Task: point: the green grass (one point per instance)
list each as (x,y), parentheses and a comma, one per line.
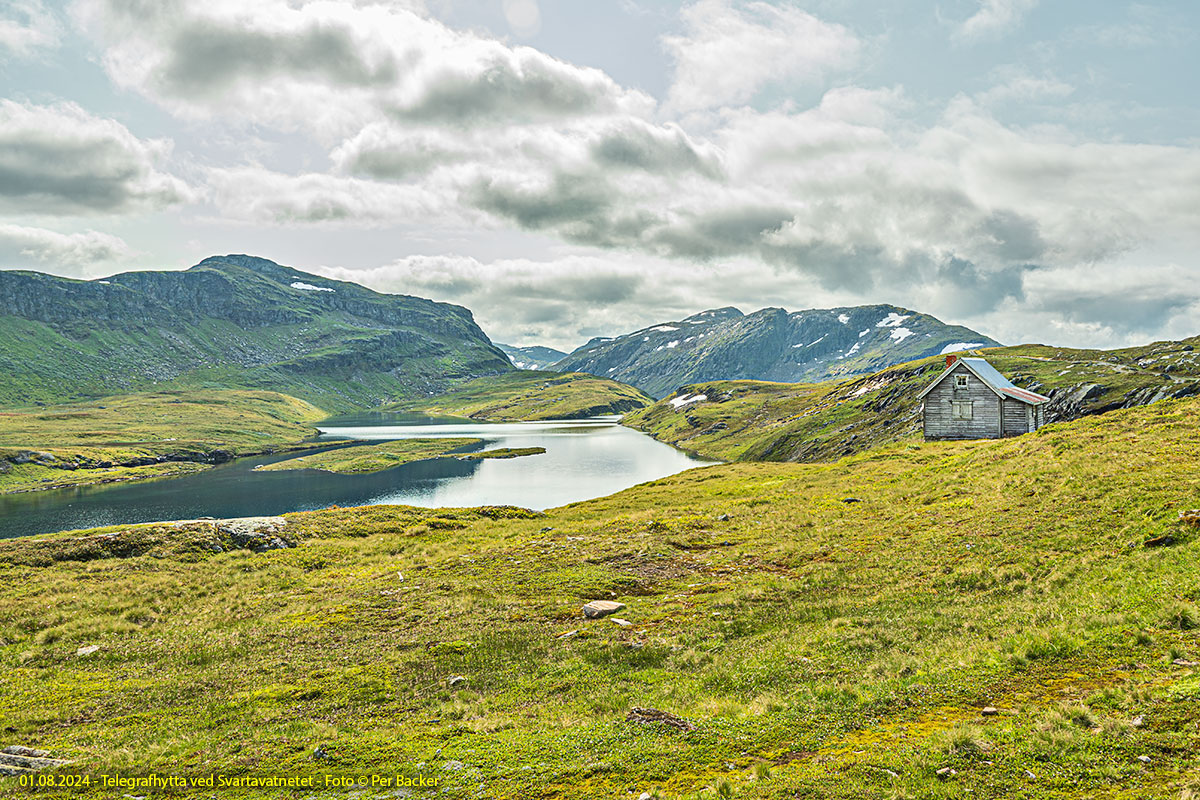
(763,421)
(129,437)
(360,459)
(504,452)
(821,647)
(531,395)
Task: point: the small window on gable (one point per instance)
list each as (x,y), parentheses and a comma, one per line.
(960,380)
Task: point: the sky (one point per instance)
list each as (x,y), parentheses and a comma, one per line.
(573,168)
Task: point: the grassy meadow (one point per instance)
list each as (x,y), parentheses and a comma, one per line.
(148,435)
(832,630)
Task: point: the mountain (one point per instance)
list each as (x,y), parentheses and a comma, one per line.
(770,344)
(231,321)
(757,421)
(531,357)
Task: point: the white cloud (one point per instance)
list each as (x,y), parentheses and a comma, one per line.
(60,159)
(256,194)
(28,28)
(332,67)
(731,50)
(71,253)
(994,17)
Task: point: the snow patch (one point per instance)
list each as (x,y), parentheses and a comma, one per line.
(687,399)
(900,334)
(810,344)
(104,283)
(673,344)
(864,333)
(664,328)
(843,318)
(892,320)
(308,287)
(957,346)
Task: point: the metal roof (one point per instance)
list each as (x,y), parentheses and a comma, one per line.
(991,378)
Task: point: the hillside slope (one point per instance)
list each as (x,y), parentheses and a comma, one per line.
(770,344)
(231,321)
(997,619)
(755,420)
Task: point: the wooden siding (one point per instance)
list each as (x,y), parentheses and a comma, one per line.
(985,409)
(1017,417)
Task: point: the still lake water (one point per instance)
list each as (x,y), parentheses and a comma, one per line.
(583,459)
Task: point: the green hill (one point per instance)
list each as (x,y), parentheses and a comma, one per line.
(760,421)
(231,322)
(993,619)
(770,344)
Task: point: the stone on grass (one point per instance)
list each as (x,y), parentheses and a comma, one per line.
(624,623)
(456,680)
(567,635)
(87,650)
(601,608)
(651,716)
(1144,759)
(990,711)
(946,772)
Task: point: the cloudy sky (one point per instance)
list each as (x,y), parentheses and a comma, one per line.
(572,168)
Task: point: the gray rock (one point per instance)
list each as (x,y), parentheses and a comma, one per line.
(1144,759)
(624,623)
(601,608)
(456,680)
(87,650)
(453,766)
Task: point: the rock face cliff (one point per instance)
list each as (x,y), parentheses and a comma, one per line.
(770,344)
(236,321)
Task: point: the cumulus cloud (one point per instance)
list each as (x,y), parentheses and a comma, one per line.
(28,28)
(333,67)
(71,253)
(731,50)
(565,301)
(993,17)
(257,194)
(61,159)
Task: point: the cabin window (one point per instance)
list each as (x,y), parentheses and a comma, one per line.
(961,409)
(960,380)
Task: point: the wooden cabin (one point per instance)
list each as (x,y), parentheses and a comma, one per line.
(972,400)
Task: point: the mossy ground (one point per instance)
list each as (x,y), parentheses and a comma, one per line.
(832,630)
(532,395)
(107,440)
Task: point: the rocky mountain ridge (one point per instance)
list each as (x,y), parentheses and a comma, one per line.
(770,344)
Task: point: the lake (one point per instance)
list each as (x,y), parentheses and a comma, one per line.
(583,459)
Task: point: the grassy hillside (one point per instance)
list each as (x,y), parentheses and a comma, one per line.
(145,435)
(756,420)
(833,630)
(531,395)
(231,322)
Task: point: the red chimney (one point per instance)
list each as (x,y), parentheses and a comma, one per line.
(950,359)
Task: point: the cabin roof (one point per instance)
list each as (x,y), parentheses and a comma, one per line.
(991,378)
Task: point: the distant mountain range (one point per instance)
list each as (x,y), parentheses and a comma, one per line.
(231,321)
(531,357)
(770,344)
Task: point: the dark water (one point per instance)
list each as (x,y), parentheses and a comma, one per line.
(583,459)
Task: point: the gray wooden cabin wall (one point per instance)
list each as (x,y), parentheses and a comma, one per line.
(985,421)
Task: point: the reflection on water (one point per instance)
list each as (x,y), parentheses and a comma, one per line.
(583,459)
